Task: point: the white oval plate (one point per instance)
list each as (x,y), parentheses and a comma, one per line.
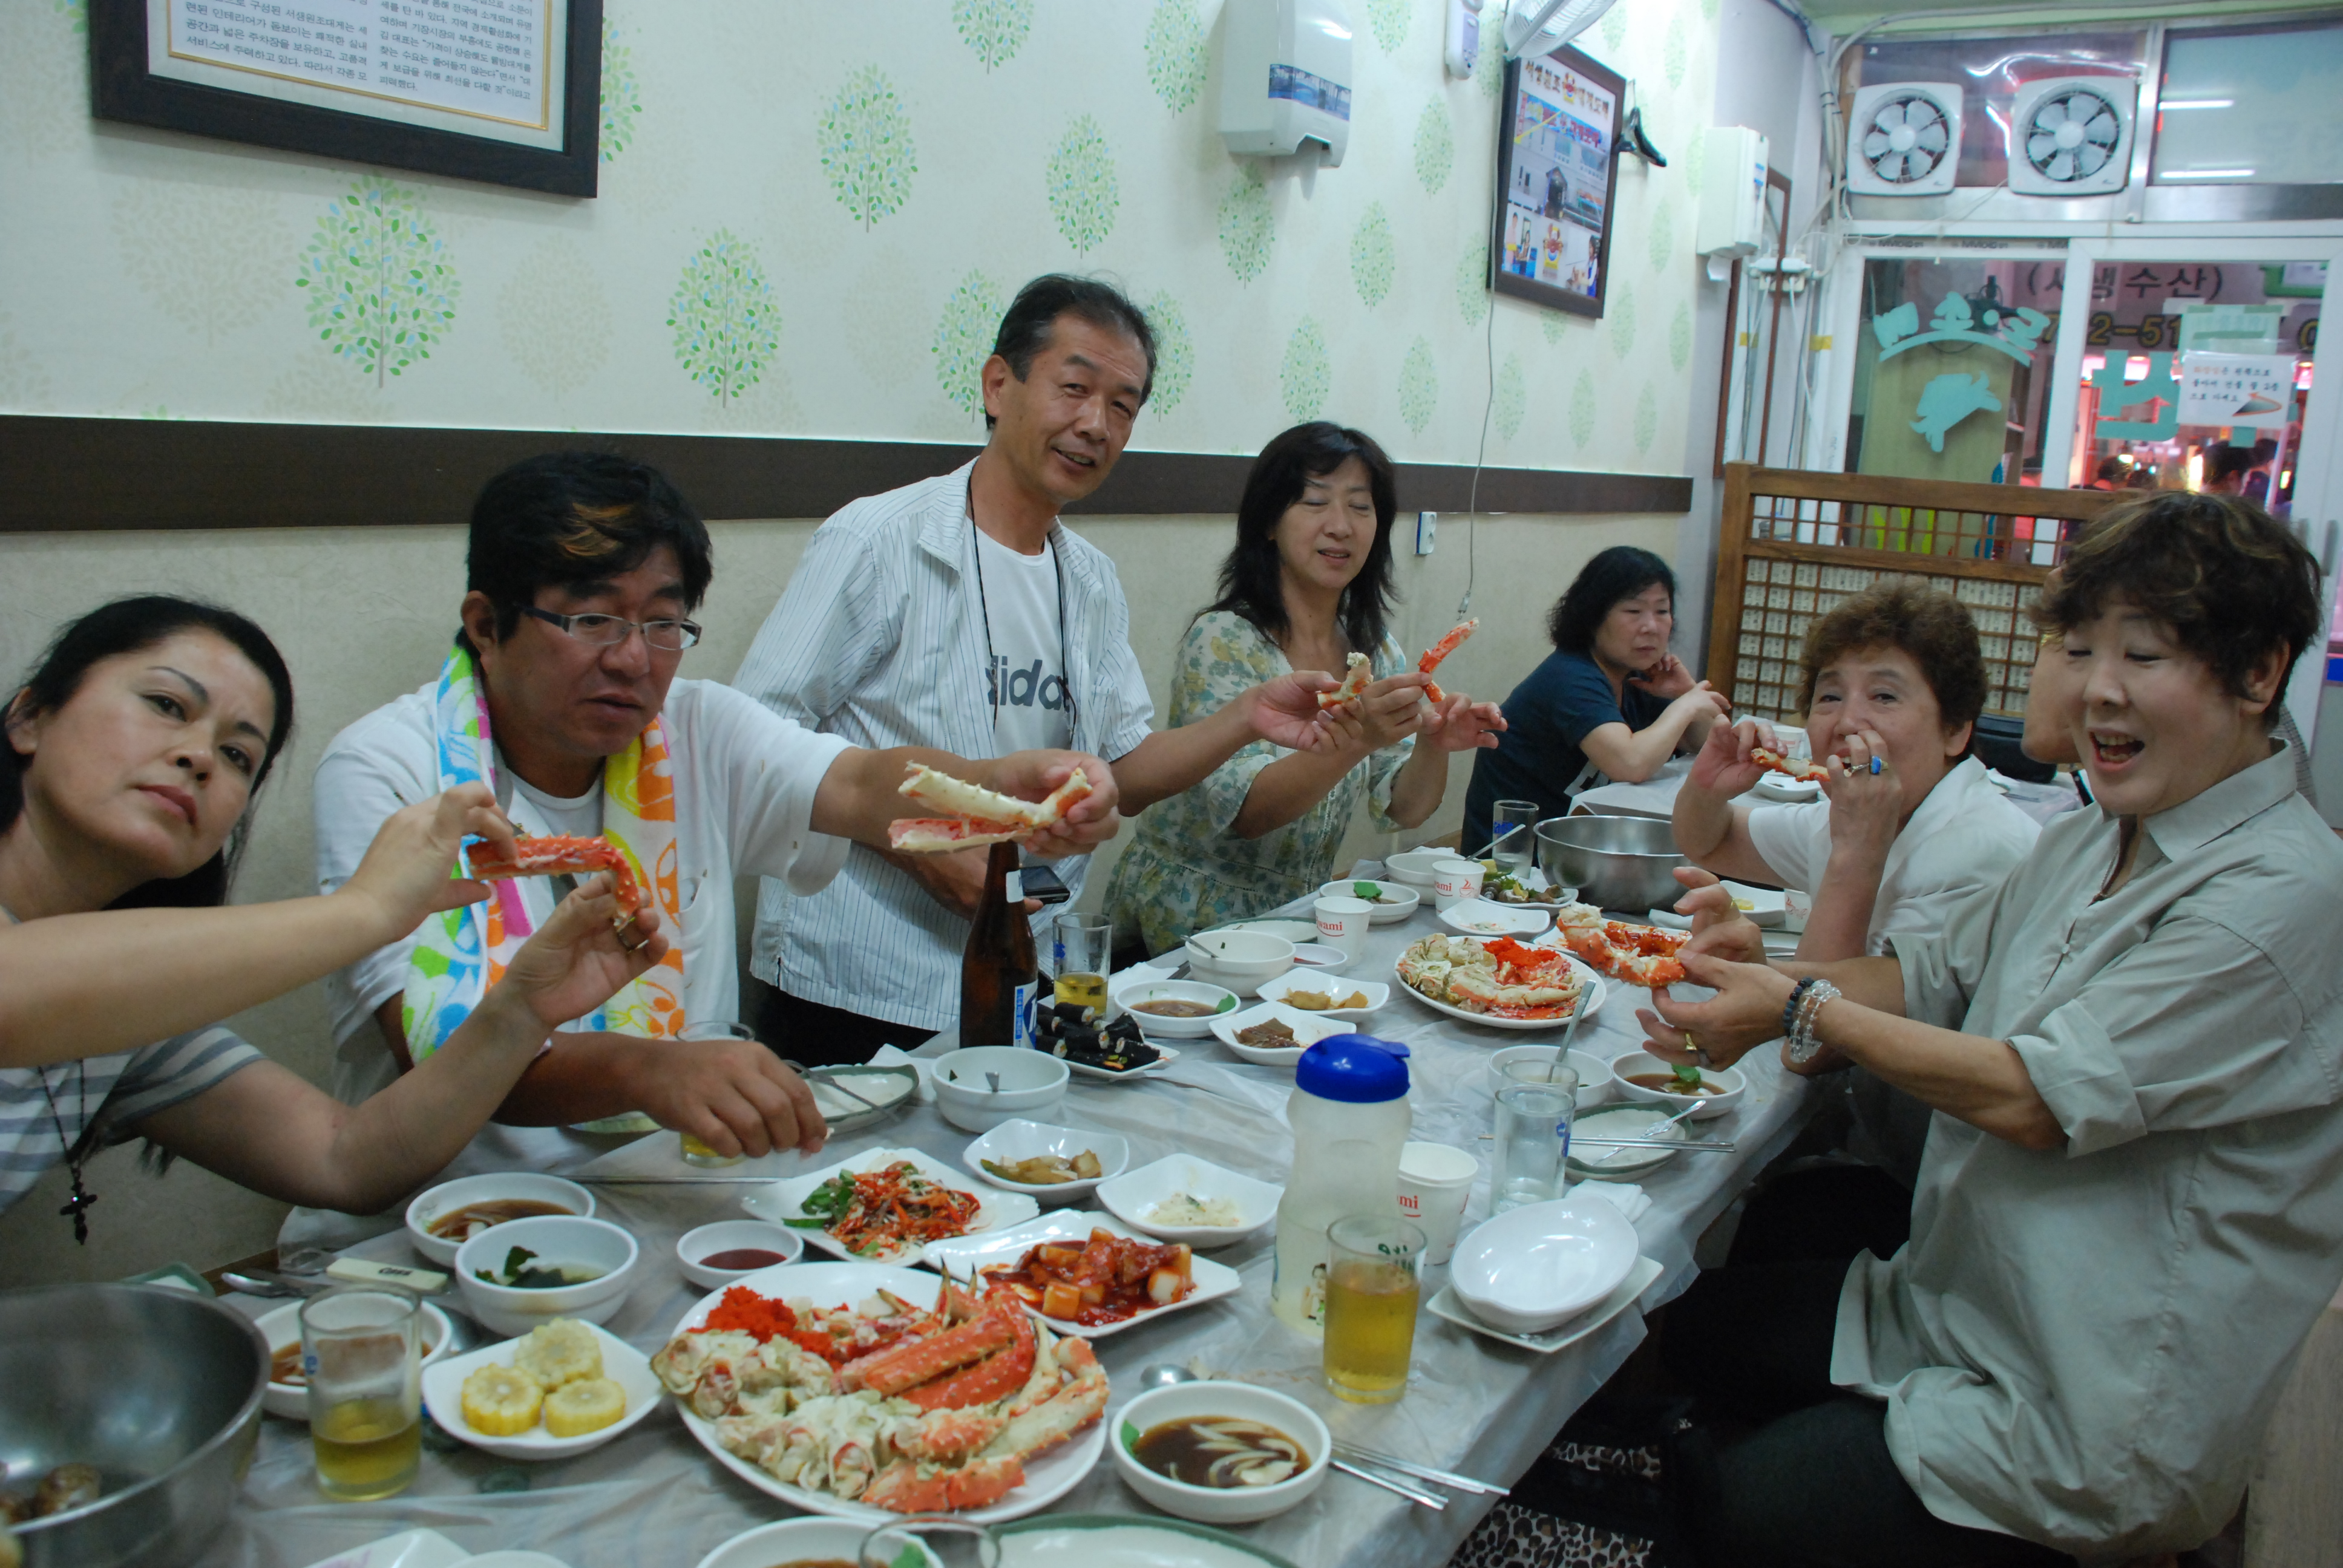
(1309,1028)
(1168,1054)
(1556,1257)
(1382,914)
(1109,1541)
(1047,1478)
(1131,1196)
(962,1256)
(784,1200)
(1483,918)
(1447,1305)
(442,1395)
(1018,1139)
(1590,1003)
(1377,993)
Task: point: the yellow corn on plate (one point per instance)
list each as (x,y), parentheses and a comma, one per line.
(560,1351)
(500,1401)
(590,1404)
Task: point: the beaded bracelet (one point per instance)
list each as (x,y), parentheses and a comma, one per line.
(1813,994)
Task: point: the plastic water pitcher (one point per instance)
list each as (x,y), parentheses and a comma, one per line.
(1349,1113)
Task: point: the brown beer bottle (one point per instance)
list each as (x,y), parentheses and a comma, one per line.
(998,975)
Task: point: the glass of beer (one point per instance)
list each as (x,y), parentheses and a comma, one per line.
(1080,952)
(1513,829)
(696,1151)
(358,1348)
(1370,1298)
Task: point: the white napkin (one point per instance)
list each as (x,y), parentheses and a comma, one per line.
(895,1056)
(1624,1196)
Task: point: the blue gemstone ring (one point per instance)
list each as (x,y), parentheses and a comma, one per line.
(1875,767)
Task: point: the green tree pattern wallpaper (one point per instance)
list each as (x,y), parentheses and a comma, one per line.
(728,327)
(1390,18)
(554,315)
(1619,318)
(1435,146)
(963,341)
(1584,404)
(1305,375)
(995,29)
(622,95)
(1647,419)
(1372,256)
(1511,399)
(1179,55)
(380,290)
(1248,227)
(1680,336)
(1419,386)
(865,139)
(1473,285)
(1082,192)
(1175,353)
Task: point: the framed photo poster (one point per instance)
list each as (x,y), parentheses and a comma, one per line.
(1557,171)
(504,91)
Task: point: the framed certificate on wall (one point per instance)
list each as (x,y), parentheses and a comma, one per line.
(503,91)
(1557,172)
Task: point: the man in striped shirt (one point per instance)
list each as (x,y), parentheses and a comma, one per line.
(959,612)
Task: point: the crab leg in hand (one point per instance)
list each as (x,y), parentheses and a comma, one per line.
(978,816)
(555,856)
(1354,681)
(1795,767)
(1442,649)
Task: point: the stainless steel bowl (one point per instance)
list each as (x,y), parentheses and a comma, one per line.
(159,1389)
(1616,862)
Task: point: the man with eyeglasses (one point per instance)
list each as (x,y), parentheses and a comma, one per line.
(562,693)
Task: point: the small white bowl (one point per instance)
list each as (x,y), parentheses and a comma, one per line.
(1625,1122)
(1032,1083)
(1021,1139)
(1486,918)
(1404,899)
(1240,960)
(1594,1085)
(725,1235)
(282,1327)
(1414,867)
(561,1240)
(1131,1196)
(443,1396)
(1728,1080)
(792,1541)
(1219,998)
(1532,1268)
(1244,1401)
(1291,930)
(434,1201)
(1309,1028)
(1339,987)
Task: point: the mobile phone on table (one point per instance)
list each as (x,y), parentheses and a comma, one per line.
(1042,884)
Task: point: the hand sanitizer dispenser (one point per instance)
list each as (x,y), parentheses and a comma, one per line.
(1285,77)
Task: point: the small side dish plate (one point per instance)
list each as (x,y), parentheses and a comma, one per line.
(1446,1304)
(442,1395)
(1132,1196)
(1309,1028)
(1485,918)
(784,1200)
(966,1255)
(1340,988)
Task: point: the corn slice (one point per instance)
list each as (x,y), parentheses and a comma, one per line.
(558,1352)
(586,1405)
(501,1402)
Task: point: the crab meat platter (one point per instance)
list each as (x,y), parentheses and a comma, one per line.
(1502,983)
(867,1390)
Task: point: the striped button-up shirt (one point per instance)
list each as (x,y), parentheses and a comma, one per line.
(879,639)
(45,1111)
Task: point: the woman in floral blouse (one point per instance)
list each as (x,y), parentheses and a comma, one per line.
(1309,583)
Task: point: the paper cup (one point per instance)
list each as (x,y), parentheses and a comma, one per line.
(1796,907)
(1434,1180)
(1342,924)
(1454,881)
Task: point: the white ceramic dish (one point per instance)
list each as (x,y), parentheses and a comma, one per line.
(1122,1541)
(1403,898)
(1590,1003)
(1532,1268)
(407,1549)
(792,1541)
(1240,960)
(724,1236)
(1018,1139)
(1166,1055)
(442,1395)
(1291,930)
(282,1327)
(889,1087)
(1764,907)
(1414,867)
(1628,1120)
(1318,955)
(1309,1028)
(1047,1477)
(784,1200)
(1242,1401)
(1483,918)
(1342,988)
(1132,1196)
(1032,1083)
(1593,1072)
(1773,786)
(964,1255)
(434,1201)
(564,1240)
(1128,995)
(1446,1304)
(1711,1106)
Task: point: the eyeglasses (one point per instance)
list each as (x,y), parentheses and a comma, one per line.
(603,630)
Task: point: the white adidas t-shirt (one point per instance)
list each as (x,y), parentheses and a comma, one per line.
(1027,683)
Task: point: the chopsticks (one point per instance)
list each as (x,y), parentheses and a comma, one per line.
(1390,1483)
(1447,1478)
(1691,1146)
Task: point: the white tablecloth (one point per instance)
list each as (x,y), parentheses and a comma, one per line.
(654,1496)
(1656,796)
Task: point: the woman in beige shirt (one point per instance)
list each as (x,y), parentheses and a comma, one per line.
(2130,1211)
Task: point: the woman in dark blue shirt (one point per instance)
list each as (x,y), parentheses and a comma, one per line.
(1610,703)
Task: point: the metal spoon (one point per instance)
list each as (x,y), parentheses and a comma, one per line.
(992,1081)
(1163,1374)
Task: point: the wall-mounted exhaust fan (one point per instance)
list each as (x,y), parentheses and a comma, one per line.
(1904,139)
(2071,135)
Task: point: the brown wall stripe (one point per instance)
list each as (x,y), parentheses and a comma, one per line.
(65,474)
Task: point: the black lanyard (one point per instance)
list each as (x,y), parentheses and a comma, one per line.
(992,670)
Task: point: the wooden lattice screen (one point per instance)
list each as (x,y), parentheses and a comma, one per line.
(1792,544)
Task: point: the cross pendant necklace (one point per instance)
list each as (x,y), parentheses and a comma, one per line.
(77,1206)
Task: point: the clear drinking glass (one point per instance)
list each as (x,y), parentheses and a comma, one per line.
(1371,1299)
(1081,950)
(1532,1141)
(696,1153)
(1512,833)
(358,1350)
(930,1541)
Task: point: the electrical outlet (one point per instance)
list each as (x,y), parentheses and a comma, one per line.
(1427,529)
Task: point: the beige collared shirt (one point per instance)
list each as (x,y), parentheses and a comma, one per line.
(2082,1346)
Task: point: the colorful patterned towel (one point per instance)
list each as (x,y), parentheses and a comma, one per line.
(459,953)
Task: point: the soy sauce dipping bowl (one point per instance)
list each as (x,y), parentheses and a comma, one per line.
(1237,1401)
(693,1248)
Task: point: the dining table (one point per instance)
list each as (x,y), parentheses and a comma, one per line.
(1472,1405)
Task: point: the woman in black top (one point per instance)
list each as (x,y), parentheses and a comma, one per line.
(1611,702)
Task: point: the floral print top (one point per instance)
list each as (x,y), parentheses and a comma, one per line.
(1184,870)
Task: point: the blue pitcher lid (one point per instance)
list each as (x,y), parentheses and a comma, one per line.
(1355,1068)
